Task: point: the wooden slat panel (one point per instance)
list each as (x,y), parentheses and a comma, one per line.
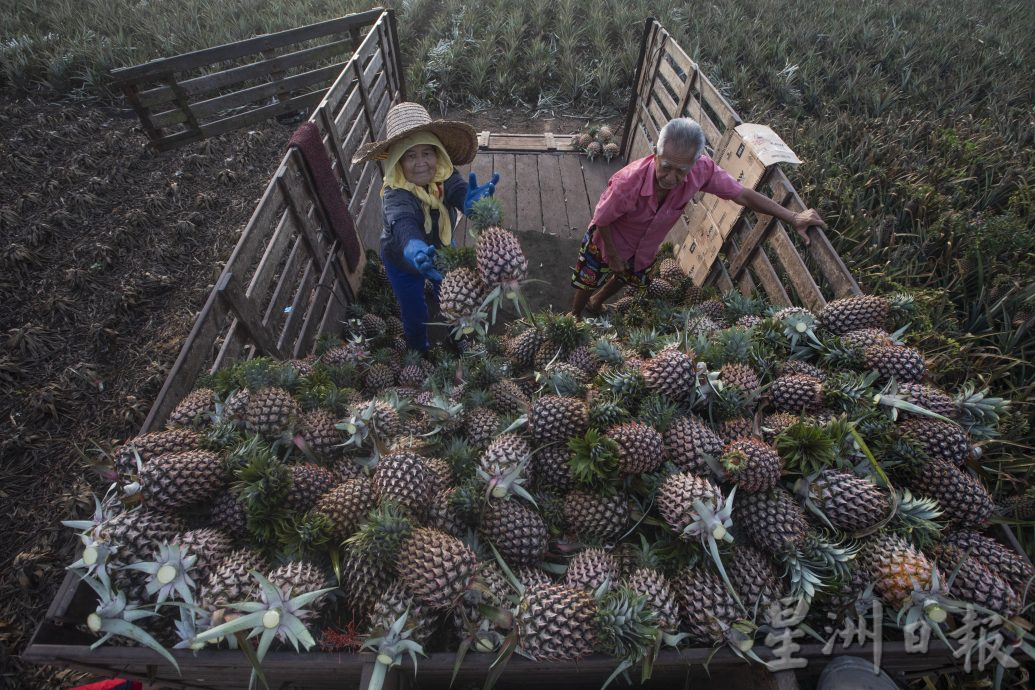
(275,314)
(551,189)
(711,131)
(214,106)
(750,243)
(369,222)
(229,351)
(678,84)
(347,118)
(529,142)
(230,51)
(299,302)
(809,294)
(233,122)
(766,275)
(575,196)
(247,315)
(529,204)
(315,311)
(342,88)
(650,27)
(259,285)
(236,75)
(506,190)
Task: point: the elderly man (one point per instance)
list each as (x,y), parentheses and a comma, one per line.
(642,202)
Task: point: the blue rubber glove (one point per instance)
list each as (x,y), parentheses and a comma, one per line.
(421,256)
(474,192)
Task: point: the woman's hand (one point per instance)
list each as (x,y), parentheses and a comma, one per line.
(476,192)
(421,256)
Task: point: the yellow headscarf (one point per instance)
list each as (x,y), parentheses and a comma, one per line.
(395,179)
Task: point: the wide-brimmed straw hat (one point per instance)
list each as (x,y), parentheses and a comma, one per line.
(403,119)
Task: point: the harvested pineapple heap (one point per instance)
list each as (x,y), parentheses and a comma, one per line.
(666,474)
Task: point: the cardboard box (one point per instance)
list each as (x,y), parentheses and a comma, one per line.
(746,153)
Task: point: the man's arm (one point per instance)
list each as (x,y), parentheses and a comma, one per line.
(614,259)
(801,222)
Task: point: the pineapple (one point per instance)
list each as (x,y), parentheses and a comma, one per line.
(678,499)
(755,577)
(896,361)
(937,438)
(653,585)
(670,270)
(866,337)
(853,313)
(517,531)
(210,545)
(751,464)
(773,520)
(709,610)
(929,398)
(975,582)
(300,577)
(480,426)
(552,470)
(688,441)
(308,483)
(363,580)
(659,288)
(194,411)
(640,447)
(798,366)
(321,437)
(508,398)
(848,502)
(590,569)
(733,428)
(271,413)
(435,567)
(671,373)
(444,515)
(896,568)
(230,582)
(228,514)
(461,294)
(346,505)
(505,455)
(775,424)
(150,445)
(379,377)
(796,393)
(999,559)
(176,480)
(596,517)
(964,498)
(556,419)
(392,602)
(586,360)
(555,623)
(521,349)
(500,258)
(403,478)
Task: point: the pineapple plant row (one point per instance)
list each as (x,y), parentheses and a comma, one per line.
(666,474)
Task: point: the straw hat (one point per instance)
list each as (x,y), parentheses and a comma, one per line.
(403,119)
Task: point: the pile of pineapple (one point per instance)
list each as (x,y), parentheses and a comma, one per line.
(596,141)
(675,472)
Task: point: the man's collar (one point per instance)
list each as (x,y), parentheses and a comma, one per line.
(647,187)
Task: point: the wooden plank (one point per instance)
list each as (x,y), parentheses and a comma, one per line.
(751,242)
(597,174)
(668,102)
(130,91)
(259,284)
(315,311)
(798,273)
(395,52)
(770,281)
(333,144)
(575,196)
(649,27)
(230,350)
(370,220)
(667,74)
(529,203)
(254,70)
(230,51)
(247,315)
(551,191)
(277,308)
(342,88)
(280,88)
(233,122)
(506,190)
(299,303)
(290,185)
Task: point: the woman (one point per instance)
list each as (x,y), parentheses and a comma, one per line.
(421,194)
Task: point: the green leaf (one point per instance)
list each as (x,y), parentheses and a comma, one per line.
(125,629)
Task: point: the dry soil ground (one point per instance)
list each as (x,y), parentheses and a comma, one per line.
(107,251)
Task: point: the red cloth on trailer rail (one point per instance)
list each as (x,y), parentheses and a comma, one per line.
(113,684)
(309,143)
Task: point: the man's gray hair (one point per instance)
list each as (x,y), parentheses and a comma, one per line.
(682,134)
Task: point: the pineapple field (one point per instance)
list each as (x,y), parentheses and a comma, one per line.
(654,478)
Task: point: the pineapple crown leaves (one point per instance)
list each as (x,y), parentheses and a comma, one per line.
(817,564)
(390,647)
(848,391)
(484,213)
(739,304)
(96,552)
(608,351)
(565,331)
(261,372)
(595,459)
(894,401)
(730,345)
(274,617)
(509,483)
(806,448)
(114,615)
(443,413)
(451,258)
(302,535)
(561,380)
(658,411)
(606,412)
(979,412)
(262,479)
(382,534)
(626,626)
(461,456)
(798,326)
(917,519)
(169,573)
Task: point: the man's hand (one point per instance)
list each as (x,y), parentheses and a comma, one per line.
(476,192)
(806,219)
(421,256)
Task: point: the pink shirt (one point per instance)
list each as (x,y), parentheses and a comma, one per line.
(629,206)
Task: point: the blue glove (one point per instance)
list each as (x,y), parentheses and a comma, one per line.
(474,192)
(421,256)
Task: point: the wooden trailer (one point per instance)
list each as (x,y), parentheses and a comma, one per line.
(288,280)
